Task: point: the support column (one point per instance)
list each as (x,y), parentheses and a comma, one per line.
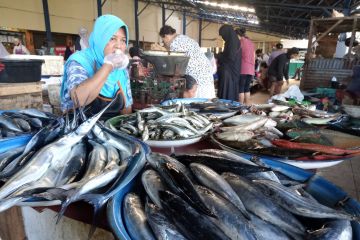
(200,30)
(163,14)
(99,8)
(184,23)
(47,22)
(136,3)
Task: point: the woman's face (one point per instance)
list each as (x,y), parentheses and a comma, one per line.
(167,39)
(117,41)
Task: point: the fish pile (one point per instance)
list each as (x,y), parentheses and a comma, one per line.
(214,194)
(159,124)
(24,121)
(286,112)
(68,164)
(246,126)
(260,135)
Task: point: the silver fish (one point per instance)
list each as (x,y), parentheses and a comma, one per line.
(151,181)
(155,109)
(242,119)
(23,124)
(135,218)
(33,113)
(267,231)
(295,203)
(215,182)
(8,156)
(263,207)
(160,224)
(239,136)
(50,156)
(228,218)
(145,134)
(8,124)
(226,154)
(124,148)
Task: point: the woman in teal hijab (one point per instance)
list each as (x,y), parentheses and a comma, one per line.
(95,76)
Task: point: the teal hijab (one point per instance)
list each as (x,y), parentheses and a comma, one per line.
(92,58)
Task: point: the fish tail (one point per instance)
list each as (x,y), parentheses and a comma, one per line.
(71,197)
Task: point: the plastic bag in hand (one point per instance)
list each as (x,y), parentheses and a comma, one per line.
(118,60)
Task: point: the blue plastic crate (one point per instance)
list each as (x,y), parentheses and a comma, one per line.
(324,191)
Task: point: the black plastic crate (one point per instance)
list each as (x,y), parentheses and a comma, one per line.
(20,70)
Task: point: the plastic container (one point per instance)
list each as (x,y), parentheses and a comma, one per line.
(20,70)
(324,191)
(10,143)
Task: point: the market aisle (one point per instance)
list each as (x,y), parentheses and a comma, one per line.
(345,175)
(262,96)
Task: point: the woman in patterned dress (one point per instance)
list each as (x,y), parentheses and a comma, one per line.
(199,66)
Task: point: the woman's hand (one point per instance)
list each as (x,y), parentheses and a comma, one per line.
(157,47)
(117,60)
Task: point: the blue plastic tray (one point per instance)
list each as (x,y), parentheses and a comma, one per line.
(324,191)
(9,143)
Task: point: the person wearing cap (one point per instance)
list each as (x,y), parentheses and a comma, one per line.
(97,75)
(278,50)
(247,70)
(279,68)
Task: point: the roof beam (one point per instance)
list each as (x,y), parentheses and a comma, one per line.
(265,3)
(281,17)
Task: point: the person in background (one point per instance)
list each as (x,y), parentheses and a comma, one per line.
(97,75)
(19,48)
(264,80)
(82,42)
(210,56)
(279,69)
(229,65)
(278,50)
(68,51)
(190,87)
(247,70)
(138,67)
(198,66)
(3,51)
(134,53)
(262,57)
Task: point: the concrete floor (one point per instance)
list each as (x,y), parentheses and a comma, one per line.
(345,175)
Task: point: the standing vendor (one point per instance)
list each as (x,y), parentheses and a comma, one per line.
(199,66)
(95,76)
